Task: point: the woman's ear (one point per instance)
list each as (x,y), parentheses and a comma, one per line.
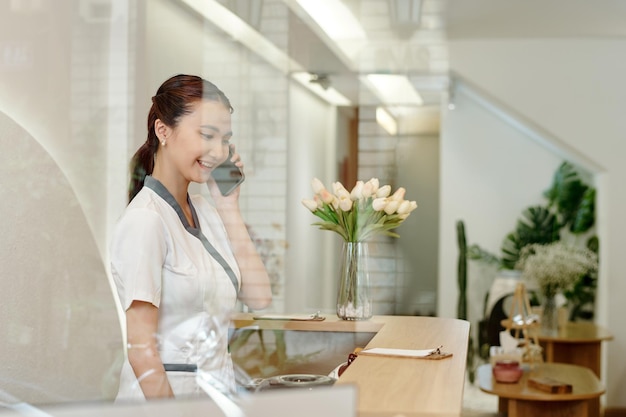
(161,129)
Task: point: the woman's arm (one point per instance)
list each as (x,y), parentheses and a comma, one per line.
(255,292)
(141,327)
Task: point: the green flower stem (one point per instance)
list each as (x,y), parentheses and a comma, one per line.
(353,301)
(358,224)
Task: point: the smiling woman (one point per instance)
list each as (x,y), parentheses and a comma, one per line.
(179,264)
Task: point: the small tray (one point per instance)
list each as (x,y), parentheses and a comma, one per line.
(550,385)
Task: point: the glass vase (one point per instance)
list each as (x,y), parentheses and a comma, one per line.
(549,316)
(353,297)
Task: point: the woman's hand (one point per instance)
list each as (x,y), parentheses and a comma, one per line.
(216,194)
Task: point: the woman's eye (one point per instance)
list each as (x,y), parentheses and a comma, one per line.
(206,135)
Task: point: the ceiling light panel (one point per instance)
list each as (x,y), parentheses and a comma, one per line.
(393,89)
(334,17)
(386,121)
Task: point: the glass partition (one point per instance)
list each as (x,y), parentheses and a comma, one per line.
(76,81)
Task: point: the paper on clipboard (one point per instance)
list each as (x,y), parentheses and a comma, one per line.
(435,353)
(297,317)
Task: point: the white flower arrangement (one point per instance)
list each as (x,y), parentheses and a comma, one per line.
(359,214)
(556,266)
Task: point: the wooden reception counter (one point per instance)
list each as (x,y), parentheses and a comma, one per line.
(394,386)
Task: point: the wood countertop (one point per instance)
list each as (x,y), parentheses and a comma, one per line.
(394,386)
(329,324)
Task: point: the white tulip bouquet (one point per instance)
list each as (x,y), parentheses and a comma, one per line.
(359,214)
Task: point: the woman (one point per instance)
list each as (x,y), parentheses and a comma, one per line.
(178,262)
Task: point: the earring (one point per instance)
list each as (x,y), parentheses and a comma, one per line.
(163,142)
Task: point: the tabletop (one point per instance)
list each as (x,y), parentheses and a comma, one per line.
(585,384)
(578,332)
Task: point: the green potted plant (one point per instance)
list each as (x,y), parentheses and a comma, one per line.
(569,213)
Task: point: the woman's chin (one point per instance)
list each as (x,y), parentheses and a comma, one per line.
(201,177)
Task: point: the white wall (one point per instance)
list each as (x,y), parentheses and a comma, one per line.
(574,90)
(417,158)
(312,127)
(490,173)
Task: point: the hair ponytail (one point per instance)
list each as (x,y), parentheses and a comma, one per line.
(141,165)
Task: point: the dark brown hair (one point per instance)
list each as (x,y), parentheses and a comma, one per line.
(173,99)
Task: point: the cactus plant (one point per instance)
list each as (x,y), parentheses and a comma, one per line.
(462,300)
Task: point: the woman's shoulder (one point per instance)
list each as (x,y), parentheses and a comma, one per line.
(145,198)
(145,205)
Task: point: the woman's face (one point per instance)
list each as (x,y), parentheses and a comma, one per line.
(200,142)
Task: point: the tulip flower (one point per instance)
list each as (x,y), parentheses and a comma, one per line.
(342,193)
(326,196)
(338,189)
(370,188)
(384,191)
(375,184)
(357,191)
(392,206)
(310,204)
(404,207)
(345,203)
(318,186)
(399,194)
(379,204)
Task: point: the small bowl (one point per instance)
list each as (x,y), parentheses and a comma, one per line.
(507,371)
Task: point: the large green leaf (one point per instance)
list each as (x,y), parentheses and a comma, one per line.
(537,225)
(477,253)
(566,192)
(585,216)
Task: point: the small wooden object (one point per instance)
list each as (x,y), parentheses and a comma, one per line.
(521,308)
(550,385)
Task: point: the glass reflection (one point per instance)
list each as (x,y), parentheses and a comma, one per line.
(76,81)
